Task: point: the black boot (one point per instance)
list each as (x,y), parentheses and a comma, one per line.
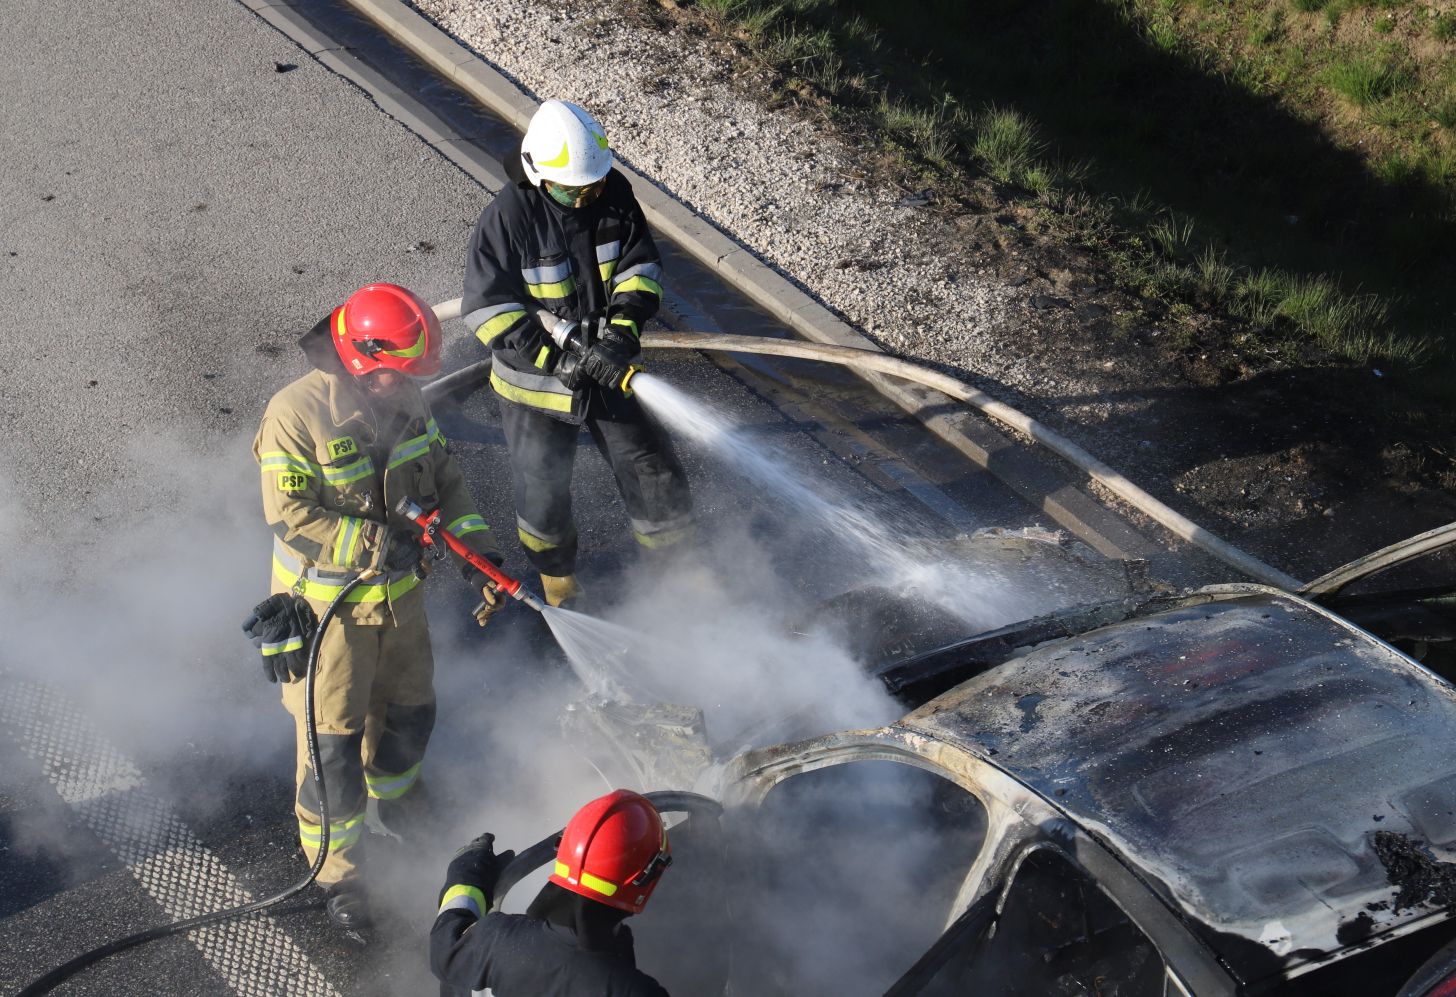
(348,908)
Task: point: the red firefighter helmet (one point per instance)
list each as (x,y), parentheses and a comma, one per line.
(613,851)
(385,326)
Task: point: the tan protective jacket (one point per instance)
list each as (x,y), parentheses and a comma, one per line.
(331,480)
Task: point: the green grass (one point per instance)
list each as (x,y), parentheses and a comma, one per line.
(1187,151)
(1364,80)
(1006,144)
(1172,235)
(1443,26)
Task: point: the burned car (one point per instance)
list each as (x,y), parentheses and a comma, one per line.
(1233,790)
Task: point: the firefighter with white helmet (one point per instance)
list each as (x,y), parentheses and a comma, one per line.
(560,276)
(337,449)
(572,941)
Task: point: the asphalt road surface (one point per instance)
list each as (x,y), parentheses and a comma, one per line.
(182,193)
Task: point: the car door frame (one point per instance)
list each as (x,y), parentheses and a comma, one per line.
(1018,821)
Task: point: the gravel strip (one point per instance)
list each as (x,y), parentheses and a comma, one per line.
(785,188)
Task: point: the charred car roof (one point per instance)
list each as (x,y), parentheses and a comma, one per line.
(1259,762)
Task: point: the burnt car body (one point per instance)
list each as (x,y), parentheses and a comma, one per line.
(1230,791)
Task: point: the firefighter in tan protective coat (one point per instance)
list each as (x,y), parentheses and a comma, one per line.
(338,449)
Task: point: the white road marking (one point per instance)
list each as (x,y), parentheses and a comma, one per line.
(254,955)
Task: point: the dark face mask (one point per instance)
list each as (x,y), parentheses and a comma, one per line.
(569,196)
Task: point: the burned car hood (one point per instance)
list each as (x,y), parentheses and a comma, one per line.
(1269,769)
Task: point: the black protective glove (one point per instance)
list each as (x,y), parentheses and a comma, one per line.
(282,627)
(572,339)
(404,552)
(478,866)
(607,360)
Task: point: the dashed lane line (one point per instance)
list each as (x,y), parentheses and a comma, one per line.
(108,792)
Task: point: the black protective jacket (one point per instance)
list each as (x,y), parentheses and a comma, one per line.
(529,254)
(564,946)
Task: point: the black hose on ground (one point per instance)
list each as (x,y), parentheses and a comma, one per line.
(60,974)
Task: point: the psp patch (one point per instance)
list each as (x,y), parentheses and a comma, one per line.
(292,481)
(344,446)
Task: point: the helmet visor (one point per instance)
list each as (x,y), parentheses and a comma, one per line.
(571,196)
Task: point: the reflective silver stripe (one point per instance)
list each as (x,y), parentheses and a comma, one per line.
(361,468)
(652,271)
(547,275)
(391,787)
(410,449)
(342,833)
(277,460)
(555,539)
(282,646)
(649,526)
(480,316)
(462,897)
(348,540)
(323,585)
(664,539)
(546,383)
(467,524)
(608,251)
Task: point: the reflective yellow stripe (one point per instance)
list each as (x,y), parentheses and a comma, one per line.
(534,542)
(638,284)
(342,833)
(282,647)
(410,352)
(493,327)
(549,400)
(279,460)
(591,882)
(391,787)
(559,289)
(561,159)
(347,543)
(462,897)
(631,326)
(361,468)
(543,356)
(410,449)
(322,591)
(468,524)
(606,270)
(654,541)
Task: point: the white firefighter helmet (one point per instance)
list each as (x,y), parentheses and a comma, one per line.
(565,145)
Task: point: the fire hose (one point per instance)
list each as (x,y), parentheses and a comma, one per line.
(873,361)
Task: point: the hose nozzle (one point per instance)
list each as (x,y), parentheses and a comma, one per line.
(429,523)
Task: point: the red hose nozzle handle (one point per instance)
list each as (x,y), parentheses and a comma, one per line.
(432,531)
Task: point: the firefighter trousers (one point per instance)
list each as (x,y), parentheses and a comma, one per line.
(543,451)
(374,709)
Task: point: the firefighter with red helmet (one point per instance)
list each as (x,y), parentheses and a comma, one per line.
(561,275)
(571,941)
(338,448)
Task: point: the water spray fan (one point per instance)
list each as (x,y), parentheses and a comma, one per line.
(433,531)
